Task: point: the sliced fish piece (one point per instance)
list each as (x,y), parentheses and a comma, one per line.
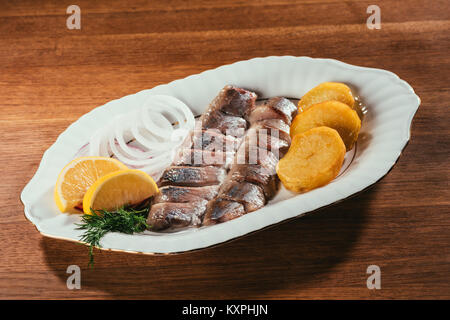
(214,140)
(233,101)
(263,139)
(275,127)
(180,184)
(249,153)
(274,108)
(221,210)
(200,158)
(256,174)
(192,176)
(168,214)
(229,111)
(226,124)
(185,194)
(249,194)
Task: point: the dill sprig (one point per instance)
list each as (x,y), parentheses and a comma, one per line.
(127,220)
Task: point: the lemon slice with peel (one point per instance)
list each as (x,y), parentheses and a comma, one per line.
(119,188)
(76,178)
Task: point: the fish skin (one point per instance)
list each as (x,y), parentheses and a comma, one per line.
(229,111)
(214,140)
(249,153)
(192,176)
(265,112)
(199,158)
(259,169)
(252,179)
(234,101)
(258,175)
(263,139)
(220,210)
(186,194)
(274,127)
(249,194)
(274,108)
(177,215)
(182,187)
(226,124)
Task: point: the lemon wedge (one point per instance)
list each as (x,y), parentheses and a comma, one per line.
(119,188)
(76,178)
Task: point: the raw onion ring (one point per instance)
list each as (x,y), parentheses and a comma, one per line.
(147,137)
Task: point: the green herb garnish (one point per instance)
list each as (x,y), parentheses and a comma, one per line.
(125,220)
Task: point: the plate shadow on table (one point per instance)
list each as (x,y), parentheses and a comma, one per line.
(297,254)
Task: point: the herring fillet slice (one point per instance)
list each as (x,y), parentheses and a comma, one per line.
(249,194)
(221,209)
(214,140)
(275,108)
(200,157)
(192,176)
(249,185)
(185,194)
(227,115)
(176,214)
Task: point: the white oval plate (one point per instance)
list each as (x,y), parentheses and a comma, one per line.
(391,104)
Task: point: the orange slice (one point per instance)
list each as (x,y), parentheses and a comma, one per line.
(119,188)
(76,178)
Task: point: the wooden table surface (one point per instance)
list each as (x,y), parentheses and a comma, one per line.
(50,76)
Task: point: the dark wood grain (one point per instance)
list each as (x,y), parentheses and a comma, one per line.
(50,76)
